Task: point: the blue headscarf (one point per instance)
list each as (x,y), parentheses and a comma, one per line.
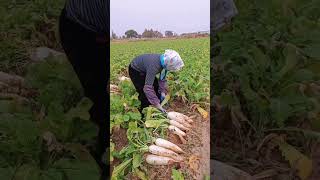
(164,71)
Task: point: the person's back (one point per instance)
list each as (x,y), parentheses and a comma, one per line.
(146,61)
(91,14)
(84,34)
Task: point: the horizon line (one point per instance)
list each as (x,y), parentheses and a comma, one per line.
(163,31)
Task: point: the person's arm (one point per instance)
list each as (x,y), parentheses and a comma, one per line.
(151,94)
(163,86)
(148,88)
(149,91)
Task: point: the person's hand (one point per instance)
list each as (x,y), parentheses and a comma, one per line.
(161,109)
(162,97)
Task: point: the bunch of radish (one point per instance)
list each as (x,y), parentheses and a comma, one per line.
(164,153)
(179,124)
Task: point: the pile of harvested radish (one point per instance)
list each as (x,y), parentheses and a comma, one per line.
(165,152)
(178,124)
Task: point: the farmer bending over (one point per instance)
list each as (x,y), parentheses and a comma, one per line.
(143,70)
(84,33)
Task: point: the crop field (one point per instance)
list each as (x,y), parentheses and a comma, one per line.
(45,132)
(189,94)
(266,90)
(191,84)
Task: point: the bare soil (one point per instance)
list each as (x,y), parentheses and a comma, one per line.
(119,137)
(240,151)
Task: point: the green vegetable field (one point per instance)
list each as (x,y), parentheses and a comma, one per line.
(189,94)
(266,83)
(45,132)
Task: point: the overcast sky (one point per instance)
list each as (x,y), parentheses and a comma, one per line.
(177,15)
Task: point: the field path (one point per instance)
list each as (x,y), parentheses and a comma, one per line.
(205,150)
(198,142)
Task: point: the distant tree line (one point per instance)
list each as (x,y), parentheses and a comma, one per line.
(147,33)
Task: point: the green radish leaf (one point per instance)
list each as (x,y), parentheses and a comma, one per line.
(119,169)
(83,130)
(6,106)
(77,170)
(140,174)
(301,75)
(133,125)
(127,151)
(112,146)
(6,173)
(137,160)
(296,159)
(314,67)
(166,99)
(260,58)
(280,111)
(27,171)
(130,150)
(149,112)
(177,175)
(124,150)
(315,123)
(313,51)
(53,174)
(118,119)
(81,110)
(13,106)
(126,118)
(291,58)
(80,152)
(154,123)
(134,116)
(246,89)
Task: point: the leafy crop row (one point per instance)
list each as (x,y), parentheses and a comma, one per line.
(45,137)
(191,84)
(266,68)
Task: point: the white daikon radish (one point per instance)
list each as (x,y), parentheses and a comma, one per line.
(169,145)
(159,160)
(189,120)
(179,120)
(182,139)
(157,150)
(175,123)
(176,130)
(176,115)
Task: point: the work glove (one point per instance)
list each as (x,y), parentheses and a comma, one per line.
(162,97)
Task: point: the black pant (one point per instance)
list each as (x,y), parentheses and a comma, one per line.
(138,80)
(90,60)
